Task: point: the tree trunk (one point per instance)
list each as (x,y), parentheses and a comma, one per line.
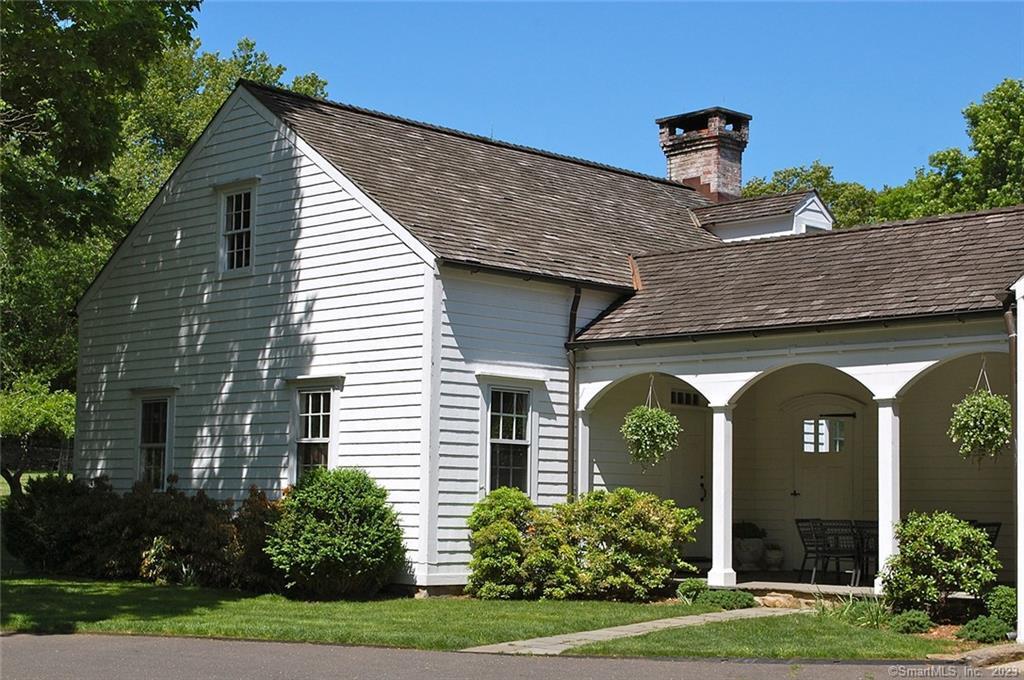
(13,479)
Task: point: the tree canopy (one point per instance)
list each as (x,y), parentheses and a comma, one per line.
(989,175)
(59,228)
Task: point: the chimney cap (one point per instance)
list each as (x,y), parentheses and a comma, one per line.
(703,113)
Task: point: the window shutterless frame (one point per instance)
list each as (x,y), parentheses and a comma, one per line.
(510,439)
(314,430)
(236,228)
(156,424)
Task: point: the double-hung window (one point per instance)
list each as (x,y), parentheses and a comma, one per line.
(314,440)
(153,442)
(509,439)
(237,231)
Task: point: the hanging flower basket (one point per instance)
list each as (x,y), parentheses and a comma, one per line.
(982,425)
(650,433)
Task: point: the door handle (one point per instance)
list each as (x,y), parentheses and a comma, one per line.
(794,493)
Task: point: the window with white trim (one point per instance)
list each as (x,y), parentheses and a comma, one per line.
(314,440)
(509,439)
(153,430)
(826,434)
(237,231)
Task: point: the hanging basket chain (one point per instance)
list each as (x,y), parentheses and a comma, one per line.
(652,394)
(983,374)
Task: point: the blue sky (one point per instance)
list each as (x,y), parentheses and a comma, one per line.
(869,88)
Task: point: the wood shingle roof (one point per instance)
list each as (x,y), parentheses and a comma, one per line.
(954,264)
(476,201)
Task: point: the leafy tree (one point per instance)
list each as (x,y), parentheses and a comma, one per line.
(59,229)
(989,176)
(66,65)
(851,203)
(30,409)
(184,91)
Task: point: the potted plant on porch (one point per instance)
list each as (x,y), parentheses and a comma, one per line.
(773,555)
(748,545)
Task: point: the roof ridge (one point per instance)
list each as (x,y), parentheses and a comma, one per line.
(469,135)
(750,199)
(836,233)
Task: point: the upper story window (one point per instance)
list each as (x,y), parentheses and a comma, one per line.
(509,439)
(827,434)
(236,246)
(153,430)
(314,440)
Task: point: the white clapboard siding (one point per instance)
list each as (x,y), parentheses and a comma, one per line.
(334,290)
(495,325)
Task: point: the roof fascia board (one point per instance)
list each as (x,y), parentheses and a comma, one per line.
(530,276)
(795,328)
(162,195)
(335,173)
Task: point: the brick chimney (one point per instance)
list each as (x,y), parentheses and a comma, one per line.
(705,150)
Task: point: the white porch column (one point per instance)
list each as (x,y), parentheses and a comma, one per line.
(888,481)
(721,573)
(1018,388)
(583,477)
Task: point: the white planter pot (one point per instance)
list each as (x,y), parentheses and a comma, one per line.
(748,552)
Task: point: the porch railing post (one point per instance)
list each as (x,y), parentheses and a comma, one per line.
(888,481)
(1018,388)
(722,573)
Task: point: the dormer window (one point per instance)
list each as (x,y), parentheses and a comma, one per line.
(236,231)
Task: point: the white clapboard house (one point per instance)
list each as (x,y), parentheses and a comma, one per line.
(319,284)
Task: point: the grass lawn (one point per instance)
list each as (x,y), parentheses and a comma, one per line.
(5,488)
(64,606)
(801,636)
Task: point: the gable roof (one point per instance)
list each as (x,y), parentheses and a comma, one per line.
(481,202)
(752,208)
(955,264)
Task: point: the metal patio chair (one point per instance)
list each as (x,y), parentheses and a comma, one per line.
(842,543)
(815,546)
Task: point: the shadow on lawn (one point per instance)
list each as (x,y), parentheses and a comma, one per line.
(53,607)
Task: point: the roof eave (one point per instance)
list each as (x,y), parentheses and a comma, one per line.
(960,316)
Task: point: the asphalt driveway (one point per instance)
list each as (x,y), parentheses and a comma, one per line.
(111,657)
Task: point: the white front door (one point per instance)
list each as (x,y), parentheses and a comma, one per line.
(689,467)
(823,479)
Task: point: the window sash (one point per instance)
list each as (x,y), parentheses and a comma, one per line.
(153,435)
(824,435)
(313,441)
(238,230)
(509,440)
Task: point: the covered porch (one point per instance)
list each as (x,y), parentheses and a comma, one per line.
(847,426)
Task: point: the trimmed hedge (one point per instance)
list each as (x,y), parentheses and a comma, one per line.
(726,599)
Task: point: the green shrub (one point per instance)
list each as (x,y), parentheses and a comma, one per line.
(1001,603)
(619,545)
(690,589)
(251,567)
(337,536)
(911,621)
(195,533)
(984,629)
(51,526)
(612,545)
(938,555)
(726,599)
(497,540)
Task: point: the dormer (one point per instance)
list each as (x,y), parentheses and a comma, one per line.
(800,212)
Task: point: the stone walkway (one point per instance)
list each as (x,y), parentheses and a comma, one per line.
(556,644)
